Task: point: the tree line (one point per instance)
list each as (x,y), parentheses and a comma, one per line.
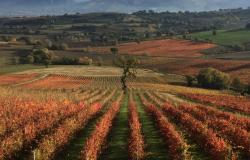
(214,79)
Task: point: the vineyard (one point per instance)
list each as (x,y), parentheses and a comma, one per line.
(192,66)
(56,116)
(16,78)
(165,48)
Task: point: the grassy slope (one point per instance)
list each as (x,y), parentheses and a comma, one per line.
(224,37)
(18,68)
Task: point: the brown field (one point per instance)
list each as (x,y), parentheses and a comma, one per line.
(166,48)
(16,78)
(58,82)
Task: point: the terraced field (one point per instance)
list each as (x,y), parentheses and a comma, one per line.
(92,119)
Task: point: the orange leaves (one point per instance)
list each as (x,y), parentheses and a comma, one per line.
(167,47)
(231,132)
(175,144)
(59,82)
(25,120)
(136,142)
(234,134)
(231,102)
(63,134)
(95,142)
(16,78)
(242,122)
(205,137)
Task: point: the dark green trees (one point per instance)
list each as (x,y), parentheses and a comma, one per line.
(42,56)
(212,78)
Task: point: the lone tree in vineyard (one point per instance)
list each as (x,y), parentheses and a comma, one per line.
(128,65)
(114,50)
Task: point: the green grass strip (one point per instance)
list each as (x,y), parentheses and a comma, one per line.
(117,148)
(155,147)
(73,150)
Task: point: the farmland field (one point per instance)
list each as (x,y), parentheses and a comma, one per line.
(16,78)
(225,37)
(86,116)
(182,57)
(165,48)
(192,66)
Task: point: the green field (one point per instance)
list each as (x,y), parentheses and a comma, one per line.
(224,37)
(18,68)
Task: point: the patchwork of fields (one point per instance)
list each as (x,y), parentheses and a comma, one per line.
(62,116)
(168,56)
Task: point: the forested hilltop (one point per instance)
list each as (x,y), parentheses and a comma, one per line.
(142,22)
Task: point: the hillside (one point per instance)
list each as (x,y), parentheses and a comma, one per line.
(225,37)
(65,116)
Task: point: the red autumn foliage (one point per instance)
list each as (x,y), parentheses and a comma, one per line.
(167,47)
(59,81)
(175,144)
(94,144)
(16,78)
(242,122)
(206,138)
(232,133)
(231,102)
(136,142)
(25,120)
(65,132)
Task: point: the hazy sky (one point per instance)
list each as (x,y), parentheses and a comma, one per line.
(16,7)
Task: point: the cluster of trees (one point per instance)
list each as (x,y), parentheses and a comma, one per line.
(53,46)
(214,79)
(46,57)
(26,39)
(38,56)
(72,61)
(8,38)
(30,41)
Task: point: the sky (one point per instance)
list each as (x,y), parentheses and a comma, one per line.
(33,7)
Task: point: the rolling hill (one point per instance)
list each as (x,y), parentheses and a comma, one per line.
(225,37)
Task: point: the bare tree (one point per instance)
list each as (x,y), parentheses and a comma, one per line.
(129,65)
(114,50)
